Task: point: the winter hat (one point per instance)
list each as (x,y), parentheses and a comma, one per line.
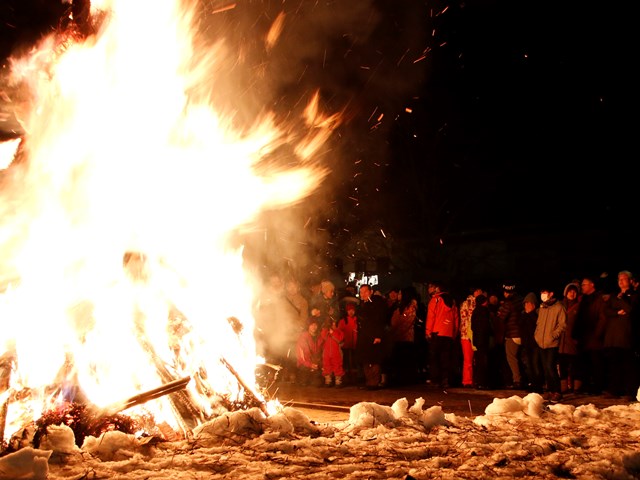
(350,305)
(531,298)
(480,299)
(571,286)
(509,287)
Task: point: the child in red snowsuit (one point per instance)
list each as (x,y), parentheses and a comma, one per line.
(332,367)
(349,326)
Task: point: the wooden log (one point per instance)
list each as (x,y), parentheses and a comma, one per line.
(248,391)
(144,397)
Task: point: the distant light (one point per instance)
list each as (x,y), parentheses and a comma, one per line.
(408,110)
(441,242)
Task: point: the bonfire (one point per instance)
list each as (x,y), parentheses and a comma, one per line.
(124,288)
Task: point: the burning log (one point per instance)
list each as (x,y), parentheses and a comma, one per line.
(144,397)
(87,420)
(248,392)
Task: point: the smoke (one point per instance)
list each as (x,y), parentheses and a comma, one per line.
(366,58)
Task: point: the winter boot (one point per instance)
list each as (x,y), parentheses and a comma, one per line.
(327,380)
(577,386)
(339,381)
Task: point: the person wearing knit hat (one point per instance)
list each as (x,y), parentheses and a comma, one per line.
(509,315)
(568,348)
(529,349)
(531,298)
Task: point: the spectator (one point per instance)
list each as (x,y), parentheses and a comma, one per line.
(443,327)
(394,297)
(299,303)
(309,354)
(372,322)
(617,343)
(530,351)
(349,327)
(509,313)
(588,331)
(568,349)
(326,301)
(404,367)
(466,336)
(552,320)
(482,338)
(332,368)
(297,316)
(500,373)
(276,329)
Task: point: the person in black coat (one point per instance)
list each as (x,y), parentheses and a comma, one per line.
(482,338)
(372,345)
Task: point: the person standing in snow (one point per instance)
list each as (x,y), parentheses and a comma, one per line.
(309,353)
(332,367)
(443,327)
(466,336)
(552,321)
(371,348)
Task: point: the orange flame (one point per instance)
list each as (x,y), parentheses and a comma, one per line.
(123,162)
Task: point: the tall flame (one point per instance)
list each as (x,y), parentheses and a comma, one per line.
(116,229)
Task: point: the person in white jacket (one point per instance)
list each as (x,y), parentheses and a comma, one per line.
(552,321)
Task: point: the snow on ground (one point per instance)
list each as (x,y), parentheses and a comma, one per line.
(515,437)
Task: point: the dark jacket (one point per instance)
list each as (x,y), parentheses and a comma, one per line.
(372,324)
(509,313)
(590,322)
(618,329)
(481,327)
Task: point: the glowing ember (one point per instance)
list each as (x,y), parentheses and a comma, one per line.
(118,268)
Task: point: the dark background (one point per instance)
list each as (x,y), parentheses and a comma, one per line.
(482,141)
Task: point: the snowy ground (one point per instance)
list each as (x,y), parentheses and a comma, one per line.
(515,437)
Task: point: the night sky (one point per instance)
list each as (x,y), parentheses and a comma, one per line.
(466,123)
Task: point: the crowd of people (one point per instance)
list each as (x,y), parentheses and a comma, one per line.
(580,339)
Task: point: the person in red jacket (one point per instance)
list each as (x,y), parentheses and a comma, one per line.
(443,327)
(309,354)
(332,368)
(349,327)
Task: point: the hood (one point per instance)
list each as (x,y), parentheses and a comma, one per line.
(569,285)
